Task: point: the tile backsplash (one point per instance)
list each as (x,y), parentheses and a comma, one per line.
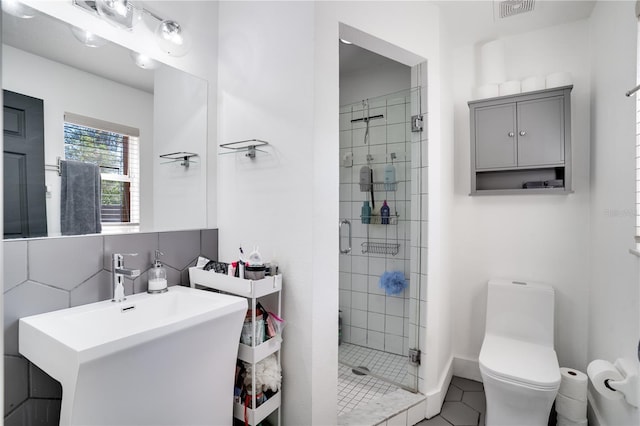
(42,275)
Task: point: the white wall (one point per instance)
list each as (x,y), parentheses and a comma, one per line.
(527,237)
(278,80)
(65,89)
(265,91)
(614,318)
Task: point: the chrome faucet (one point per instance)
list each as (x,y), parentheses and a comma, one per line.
(118,272)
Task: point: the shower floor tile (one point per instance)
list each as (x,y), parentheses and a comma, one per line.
(354,390)
(390,366)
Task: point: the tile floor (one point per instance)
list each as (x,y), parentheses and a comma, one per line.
(355,391)
(390,366)
(464,405)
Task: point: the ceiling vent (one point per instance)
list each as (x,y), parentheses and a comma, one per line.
(504,9)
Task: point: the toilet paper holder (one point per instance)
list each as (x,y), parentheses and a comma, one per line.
(627,386)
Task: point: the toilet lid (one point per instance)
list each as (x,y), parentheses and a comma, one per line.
(520,362)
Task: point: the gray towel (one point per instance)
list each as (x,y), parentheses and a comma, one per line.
(80,198)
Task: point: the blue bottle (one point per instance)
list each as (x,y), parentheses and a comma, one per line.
(385,213)
(365,215)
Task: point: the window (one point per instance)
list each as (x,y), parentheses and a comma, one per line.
(114,148)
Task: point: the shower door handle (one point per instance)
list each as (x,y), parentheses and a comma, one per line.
(348,249)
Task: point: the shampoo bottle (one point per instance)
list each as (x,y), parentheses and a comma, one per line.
(157,276)
(389,177)
(365,178)
(365,215)
(385,213)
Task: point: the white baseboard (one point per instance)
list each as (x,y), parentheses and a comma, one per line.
(467,368)
(435,399)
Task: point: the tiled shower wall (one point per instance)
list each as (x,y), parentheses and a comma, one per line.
(370,317)
(42,275)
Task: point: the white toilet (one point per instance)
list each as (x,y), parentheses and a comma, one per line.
(518,364)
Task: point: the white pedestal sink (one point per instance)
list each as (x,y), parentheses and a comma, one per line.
(154,359)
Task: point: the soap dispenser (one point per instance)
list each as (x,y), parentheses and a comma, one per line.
(157,276)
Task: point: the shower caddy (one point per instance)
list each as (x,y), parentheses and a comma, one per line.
(253,290)
(375,247)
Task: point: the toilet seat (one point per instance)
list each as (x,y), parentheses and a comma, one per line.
(521,363)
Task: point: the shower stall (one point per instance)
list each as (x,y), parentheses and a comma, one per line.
(380,268)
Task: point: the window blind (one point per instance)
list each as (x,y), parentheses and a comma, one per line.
(115,149)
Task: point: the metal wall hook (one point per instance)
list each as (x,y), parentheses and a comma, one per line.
(250,146)
(182,156)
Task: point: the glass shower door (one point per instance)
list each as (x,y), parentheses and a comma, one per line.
(379,291)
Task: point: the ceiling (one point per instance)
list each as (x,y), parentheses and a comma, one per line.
(471,22)
(464,23)
(354,58)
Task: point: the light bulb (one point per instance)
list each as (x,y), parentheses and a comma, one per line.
(144,61)
(117,12)
(17,9)
(171,38)
(112,7)
(88,38)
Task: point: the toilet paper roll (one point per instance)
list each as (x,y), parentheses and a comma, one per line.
(558,79)
(511,87)
(600,372)
(487,91)
(573,384)
(570,408)
(531,84)
(492,62)
(563,421)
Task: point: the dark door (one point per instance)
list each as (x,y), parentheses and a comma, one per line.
(24,188)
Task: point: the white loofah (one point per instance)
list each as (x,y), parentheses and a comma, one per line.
(268,374)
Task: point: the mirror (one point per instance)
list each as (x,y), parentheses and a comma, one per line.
(41,58)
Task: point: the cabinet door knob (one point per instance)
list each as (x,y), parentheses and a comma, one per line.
(511,134)
(522,133)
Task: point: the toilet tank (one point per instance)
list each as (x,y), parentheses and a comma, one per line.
(520,310)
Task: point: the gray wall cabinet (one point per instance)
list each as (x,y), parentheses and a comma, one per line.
(522,143)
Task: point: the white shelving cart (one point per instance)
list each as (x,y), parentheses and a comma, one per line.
(268,290)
